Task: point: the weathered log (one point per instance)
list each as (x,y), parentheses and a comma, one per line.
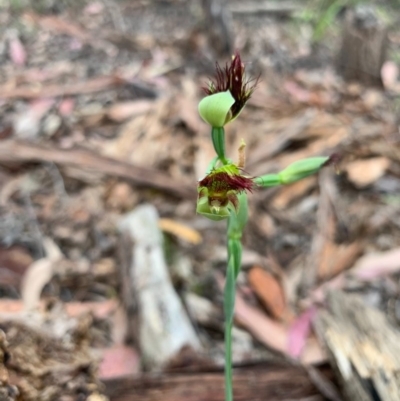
(363,49)
(363,347)
(164,326)
(21,152)
(256,383)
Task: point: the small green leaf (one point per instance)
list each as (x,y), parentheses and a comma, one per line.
(215,109)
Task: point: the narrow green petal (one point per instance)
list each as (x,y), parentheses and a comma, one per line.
(268,180)
(301,169)
(214,109)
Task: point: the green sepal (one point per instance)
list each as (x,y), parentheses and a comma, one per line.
(301,169)
(268,180)
(215,109)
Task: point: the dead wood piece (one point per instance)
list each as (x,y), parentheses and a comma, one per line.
(219,26)
(363,49)
(299,124)
(281,8)
(14,151)
(91,85)
(255,383)
(49,356)
(363,347)
(164,326)
(7,391)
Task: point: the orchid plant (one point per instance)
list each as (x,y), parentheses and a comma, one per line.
(222,193)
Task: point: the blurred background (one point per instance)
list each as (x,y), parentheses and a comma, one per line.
(111,285)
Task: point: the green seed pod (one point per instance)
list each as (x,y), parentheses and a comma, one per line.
(301,169)
(215,109)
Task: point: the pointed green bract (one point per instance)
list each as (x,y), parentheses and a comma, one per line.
(215,109)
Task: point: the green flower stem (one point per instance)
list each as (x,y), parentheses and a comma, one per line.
(218,140)
(236,224)
(229,307)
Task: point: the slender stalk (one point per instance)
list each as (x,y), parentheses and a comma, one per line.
(218,140)
(229,306)
(236,224)
(228,362)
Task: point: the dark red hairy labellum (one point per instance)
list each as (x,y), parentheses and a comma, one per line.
(223,181)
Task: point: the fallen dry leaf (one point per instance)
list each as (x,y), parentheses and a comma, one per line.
(17,51)
(375,265)
(38,274)
(53,90)
(263,328)
(124,110)
(302,95)
(13,263)
(269,291)
(273,334)
(120,360)
(101,310)
(59,26)
(27,123)
(86,160)
(66,106)
(36,277)
(299,331)
(367,268)
(337,258)
(365,172)
(180,230)
(389,74)
(291,192)
(95,7)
